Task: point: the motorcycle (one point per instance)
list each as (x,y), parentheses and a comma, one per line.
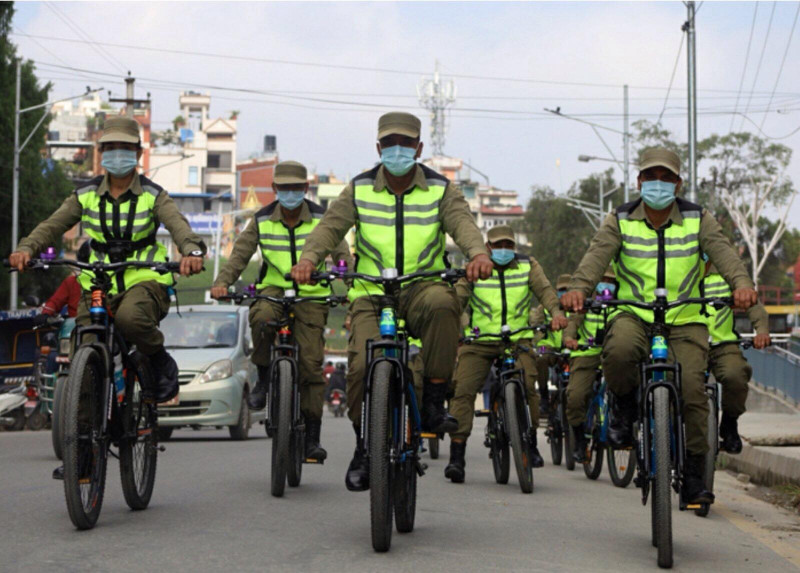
(337,403)
(12,406)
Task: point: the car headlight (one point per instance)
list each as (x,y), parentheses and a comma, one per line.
(219,370)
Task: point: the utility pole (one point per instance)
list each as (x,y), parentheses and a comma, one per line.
(435,96)
(626,141)
(129,94)
(15,188)
(692,84)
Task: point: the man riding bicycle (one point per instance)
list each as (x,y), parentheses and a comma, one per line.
(655,242)
(121,212)
(503,299)
(280,230)
(552,340)
(401,211)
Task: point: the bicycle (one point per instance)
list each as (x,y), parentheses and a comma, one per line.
(509,421)
(391,426)
(559,433)
(660,451)
(284,421)
(105,404)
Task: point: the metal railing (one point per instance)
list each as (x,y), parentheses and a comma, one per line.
(777,369)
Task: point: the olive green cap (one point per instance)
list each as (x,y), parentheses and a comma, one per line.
(121,130)
(659,156)
(399,123)
(290,173)
(563,282)
(500,233)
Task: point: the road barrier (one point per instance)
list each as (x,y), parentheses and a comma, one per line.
(777,369)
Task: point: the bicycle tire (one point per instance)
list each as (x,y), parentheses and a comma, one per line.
(621,466)
(80,448)
(297,455)
(595,465)
(498,445)
(138,449)
(282,432)
(514,430)
(404,482)
(433,448)
(711,455)
(380,437)
(569,438)
(556,439)
(662,488)
(56,430)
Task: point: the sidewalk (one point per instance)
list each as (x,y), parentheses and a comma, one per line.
(769,422)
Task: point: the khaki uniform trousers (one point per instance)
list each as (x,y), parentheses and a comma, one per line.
(137,312)
(582,374)
(731,370)
(432,314)
(474,362)
(309,330)
(627,345)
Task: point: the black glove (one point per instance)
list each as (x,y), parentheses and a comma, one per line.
(40,319)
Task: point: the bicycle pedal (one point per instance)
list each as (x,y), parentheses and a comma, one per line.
(694,505)
(420,467)
(161,448)
(313,461)
(84,481)
(429,435)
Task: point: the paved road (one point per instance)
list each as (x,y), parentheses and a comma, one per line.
(212,511)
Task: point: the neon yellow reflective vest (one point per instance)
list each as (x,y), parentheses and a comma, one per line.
(123,230)
(281,247)
(502,299)
(397,231)
(720,322)
(552,339)
(665,258)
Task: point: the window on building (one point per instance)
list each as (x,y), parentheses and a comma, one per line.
(193,178)
(220,161)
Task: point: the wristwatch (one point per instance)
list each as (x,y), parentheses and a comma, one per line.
(196,253)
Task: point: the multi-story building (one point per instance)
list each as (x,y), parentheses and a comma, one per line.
(68,137)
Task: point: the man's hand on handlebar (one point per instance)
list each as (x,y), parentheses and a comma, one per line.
(571,344)
(301,272)
(191,265)
(218,291)
(573,301)
(480,267)
(558,323)
(761,341)
(744,298)
(19,260)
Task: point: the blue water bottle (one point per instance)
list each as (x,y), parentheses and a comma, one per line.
(388,325)
(119,378)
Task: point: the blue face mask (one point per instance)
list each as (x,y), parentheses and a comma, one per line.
(119,162)
(610,287)
(291,199)
(502,256)
(658,194)
(398,160)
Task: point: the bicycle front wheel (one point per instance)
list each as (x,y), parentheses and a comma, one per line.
(594,465)
(555,435)
(56,428)
(711,455)
(380,440)
(621,466)
(433,447)
(282,415)
(569,438)
(515,427)
(404,482)
(85,450)
(498,444)
(662,460)
(138,449)
(297,455)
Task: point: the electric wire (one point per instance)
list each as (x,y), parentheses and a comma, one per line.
(672,77)
(783,61)
(760,60)
(744,68)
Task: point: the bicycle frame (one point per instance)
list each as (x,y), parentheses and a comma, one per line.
(598,404)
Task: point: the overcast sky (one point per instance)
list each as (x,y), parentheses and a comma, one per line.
(561,45)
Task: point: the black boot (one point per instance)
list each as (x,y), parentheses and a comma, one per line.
(579,453)
(694,488)
(165,377)
(435,418)
(58,473)
(257,399)
(455,469)
(729,434)
(544,402)
(357,478)
(537,460)
(313,449)
(623,415)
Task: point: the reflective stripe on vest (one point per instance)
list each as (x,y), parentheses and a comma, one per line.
(720,322)
(502,299)
(281,248)
(397,231)
(665,258)
(104,220)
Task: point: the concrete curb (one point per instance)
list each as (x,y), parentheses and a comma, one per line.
(764,467)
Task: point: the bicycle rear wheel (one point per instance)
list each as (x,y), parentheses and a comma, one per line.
(433,448)
(662,459)
(515,427)
(380,470)
(621,466)
(138,449)
(555,436)
(569,438)
(594,466)
(56,428)
(711,455)
(85,451)
(282,415)
(498,444)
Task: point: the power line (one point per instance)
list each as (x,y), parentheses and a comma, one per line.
(744,68)
(783,61)
(760,59)
(672,77)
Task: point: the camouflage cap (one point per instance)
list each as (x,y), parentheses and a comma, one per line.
(120,130)
(660,156)
(290,173)
(400,123)
(500,233)
(563,282)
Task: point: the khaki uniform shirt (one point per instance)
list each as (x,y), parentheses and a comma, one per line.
(49,231)
(248,242)
(608,240)
(341,216)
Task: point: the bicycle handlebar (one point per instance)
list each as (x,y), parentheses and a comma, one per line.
(448,275)
(503,335)
(239,297)
(44,264)
(716,302)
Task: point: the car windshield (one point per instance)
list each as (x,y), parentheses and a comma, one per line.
(201,330)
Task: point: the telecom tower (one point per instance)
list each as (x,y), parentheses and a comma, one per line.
(435,96)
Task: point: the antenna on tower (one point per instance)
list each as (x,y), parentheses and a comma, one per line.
(435,95)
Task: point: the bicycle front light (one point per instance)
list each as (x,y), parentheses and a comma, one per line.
(219,370)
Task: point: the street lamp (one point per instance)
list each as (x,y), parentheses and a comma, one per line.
(15,174)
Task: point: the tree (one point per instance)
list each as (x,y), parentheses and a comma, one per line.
(42,184)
